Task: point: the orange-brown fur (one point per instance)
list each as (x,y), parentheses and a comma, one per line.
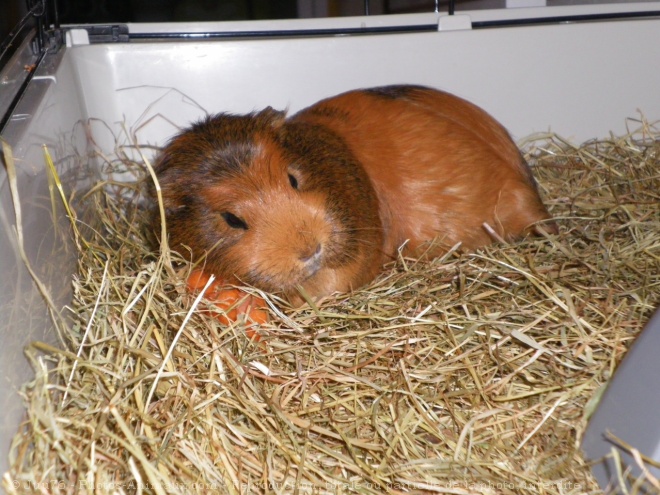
(440,165)
(322,199)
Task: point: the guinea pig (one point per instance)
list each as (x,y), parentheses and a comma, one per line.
(322,199)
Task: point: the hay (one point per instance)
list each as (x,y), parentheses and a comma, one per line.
(467,374)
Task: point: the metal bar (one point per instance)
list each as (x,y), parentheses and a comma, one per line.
(292,33)
(10,40)
(21,91)
(611,16)
(287,33)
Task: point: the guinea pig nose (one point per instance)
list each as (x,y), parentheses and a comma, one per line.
(311,254)
(312,258)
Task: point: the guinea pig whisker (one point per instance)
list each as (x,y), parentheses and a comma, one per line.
(203,258)
(364,229)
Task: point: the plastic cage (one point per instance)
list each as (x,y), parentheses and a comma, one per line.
(533,68)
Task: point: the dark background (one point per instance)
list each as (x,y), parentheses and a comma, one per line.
(119,11)
(87,11)
(116,11)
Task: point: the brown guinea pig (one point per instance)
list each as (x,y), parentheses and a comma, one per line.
(322,199)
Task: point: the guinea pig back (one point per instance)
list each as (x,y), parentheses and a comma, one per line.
(441,166)
(320,200)
(271,203)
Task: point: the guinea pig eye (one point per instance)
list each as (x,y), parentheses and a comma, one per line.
(293,181)
(233,221)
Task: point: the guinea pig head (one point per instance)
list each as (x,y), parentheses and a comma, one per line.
(265,205)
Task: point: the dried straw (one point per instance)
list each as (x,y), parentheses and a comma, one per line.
(467,374)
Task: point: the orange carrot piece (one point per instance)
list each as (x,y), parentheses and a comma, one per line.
(253,307)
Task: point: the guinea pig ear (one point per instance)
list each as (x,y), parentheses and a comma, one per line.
(275,117)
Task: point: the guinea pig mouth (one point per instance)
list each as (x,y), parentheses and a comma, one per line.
(300,269)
